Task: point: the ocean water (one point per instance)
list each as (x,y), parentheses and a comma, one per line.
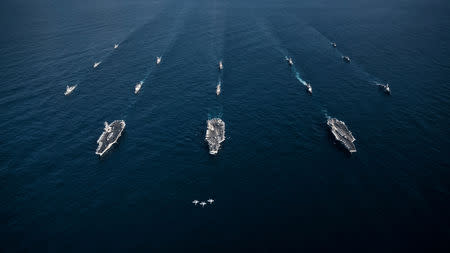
(280,182)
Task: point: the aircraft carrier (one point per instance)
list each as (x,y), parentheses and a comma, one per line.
(215,134)
(342,134)
(110,135)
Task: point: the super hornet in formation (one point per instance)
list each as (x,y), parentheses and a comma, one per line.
(203,203)
(110,135)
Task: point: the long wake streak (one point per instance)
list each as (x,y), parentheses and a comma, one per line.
(170,40)
(278,46)
(360,69)
(297,75)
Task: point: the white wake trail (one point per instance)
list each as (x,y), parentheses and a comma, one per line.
(297,75)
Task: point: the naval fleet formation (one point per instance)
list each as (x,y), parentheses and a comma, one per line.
(215,127)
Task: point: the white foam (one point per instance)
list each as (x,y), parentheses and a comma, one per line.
(297,75)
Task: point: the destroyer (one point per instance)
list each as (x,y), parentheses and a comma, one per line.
(215,134)
(110,135)
(346,59)
(218,89)
(290,62)
(69,89)
(385,88)
(309,88)
(138,86)
(342,134)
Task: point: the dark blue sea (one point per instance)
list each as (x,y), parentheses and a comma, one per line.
(280,182)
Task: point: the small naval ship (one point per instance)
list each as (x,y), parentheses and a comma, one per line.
(69,89)
(116,46)
(138,86)
(158,59)
(385,88)
(218,89)
(96,64)
(289,60)
(342,134)
(346,59)
(309,88)
(220,65)
(215,134)
(110,135)
(333,44)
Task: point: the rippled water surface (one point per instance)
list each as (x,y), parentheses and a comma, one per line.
(280,182)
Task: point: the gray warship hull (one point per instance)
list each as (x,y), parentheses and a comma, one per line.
(342,134)
(109,137)
(385,88)
(215,134)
